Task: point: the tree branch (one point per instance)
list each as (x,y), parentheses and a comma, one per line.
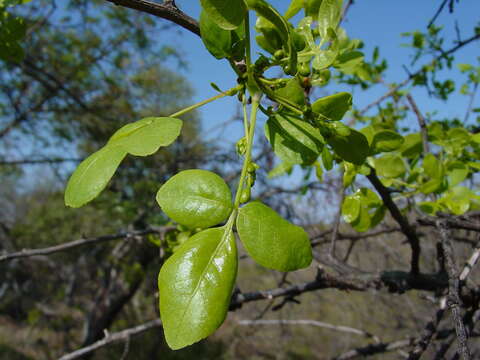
(81,242)
(453,299)
(407,229)
(123,335)
(167,11)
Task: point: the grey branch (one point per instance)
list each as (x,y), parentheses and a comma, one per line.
(453,299)
(123,335)
(80,242)
(166,11)
(321,324)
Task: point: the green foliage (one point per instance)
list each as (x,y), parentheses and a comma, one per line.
(227,15)
(272,241)
(196,282)
(195,286)
(196,198)
(141,138)
(12,31)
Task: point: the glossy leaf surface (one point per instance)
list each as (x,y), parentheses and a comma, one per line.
(293,140)
(218,41)
(390,166)
(195,286)
(196,198)
(226,14)
(146,136)
(272,241)
(353,148)
(386,140)
(333,107)
(93,175)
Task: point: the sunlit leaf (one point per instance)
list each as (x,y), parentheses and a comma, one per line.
(146,136)
(226,14)
(93,175)
(196,198)
(195,285)
(272,241)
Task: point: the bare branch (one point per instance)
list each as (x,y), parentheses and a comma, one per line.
(411,76)
(407,229)
(167,11)
(421,123)
(453,299)
(374,349)
(321,324)
(80,242)
(123,335)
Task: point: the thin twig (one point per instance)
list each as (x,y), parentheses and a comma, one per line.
(394,89)
(421,123)
(321,324)
(80,242)
(111,338)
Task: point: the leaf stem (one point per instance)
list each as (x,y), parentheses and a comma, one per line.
(248,153)
(229,92)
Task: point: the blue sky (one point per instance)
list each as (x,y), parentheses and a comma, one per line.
(376,22)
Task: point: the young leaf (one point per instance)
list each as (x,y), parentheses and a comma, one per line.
(294,8)
(333,107)
(351,208)
(272,241)
(293,140)
(196,198)
(293,92)
(195,285)
(353,148)
(144,137)
(264,9)
(390,166)
(93,175)
(328,17)
(226,14)
(386,140)
(217,40)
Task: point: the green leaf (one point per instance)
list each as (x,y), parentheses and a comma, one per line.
(351,208)
(412,145)
(476,138)
(217,40)
(353,148)
(371,210)
(144,137)
(312,7)
(293,140)
(349,61)
(432,167)
(294,8)
(196,198)
(390,166)
(429,207)
(328,17)
(327,159)
(195,286)
(333,107)
(272,241)
(349,174)
(386,140)
(292,92)
(456,172)
(226,14)
(93,175)
(264,9)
